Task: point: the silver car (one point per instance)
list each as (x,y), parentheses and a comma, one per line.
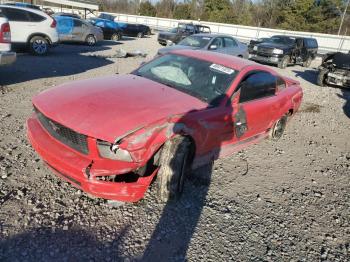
(213,42)
(72,29)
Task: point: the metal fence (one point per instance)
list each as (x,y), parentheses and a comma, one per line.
(326,42)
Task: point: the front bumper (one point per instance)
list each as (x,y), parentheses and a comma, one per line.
(274,59)
(81,170)
(7,58)
(339,80)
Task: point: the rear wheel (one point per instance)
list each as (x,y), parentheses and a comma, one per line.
(175,163)
(284,62)
(90,40)
(321,77)
(278,128)
(140,34)
(39,45)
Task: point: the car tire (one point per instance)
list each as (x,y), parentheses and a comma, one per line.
(116,37)
(278,128)
(39,45)
(140,35)
(307,62)
(90,40)
(284,62)
(149,32)
(321,77)
(175,162)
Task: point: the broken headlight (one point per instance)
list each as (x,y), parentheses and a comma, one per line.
(277,51)
(111,151)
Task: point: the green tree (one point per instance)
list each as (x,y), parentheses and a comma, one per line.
(182,11)
(147,9)
(218,11)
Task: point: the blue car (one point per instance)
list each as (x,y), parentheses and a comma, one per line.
(110,29)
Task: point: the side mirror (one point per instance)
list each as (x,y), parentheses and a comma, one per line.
(213,47)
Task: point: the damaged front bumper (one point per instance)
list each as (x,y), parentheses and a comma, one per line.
(85,171)
(338,79)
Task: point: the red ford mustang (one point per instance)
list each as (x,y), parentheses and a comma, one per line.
(111,136)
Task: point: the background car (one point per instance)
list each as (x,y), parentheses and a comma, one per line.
(253,43)
(6,56)
(67,14)
(77,30)
(212,42)
(175,35)
(109,28)
(137,30)
(30,28)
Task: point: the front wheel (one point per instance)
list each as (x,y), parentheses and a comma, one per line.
(278,128)
(175,163)
(307,62)
(140,35)
(284,62)
(321,77)
(116,37)
(90,40)
(39,45)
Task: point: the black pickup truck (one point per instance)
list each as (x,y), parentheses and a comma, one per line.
(175,35)
(283,50)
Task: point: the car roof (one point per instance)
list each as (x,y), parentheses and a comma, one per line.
(217,58)
(213,35)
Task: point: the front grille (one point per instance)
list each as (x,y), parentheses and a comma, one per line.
(264,51)
(63,134)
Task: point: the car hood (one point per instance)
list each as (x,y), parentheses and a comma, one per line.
(107,108)
(165,50)
(274,45)
(166,35)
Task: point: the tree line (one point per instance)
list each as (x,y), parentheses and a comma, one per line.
(321,16)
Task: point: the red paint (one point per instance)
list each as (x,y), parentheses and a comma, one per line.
(108,108)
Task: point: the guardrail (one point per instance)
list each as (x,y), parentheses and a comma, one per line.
(326,42)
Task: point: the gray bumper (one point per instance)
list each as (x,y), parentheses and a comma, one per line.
(265,59)
(7,58)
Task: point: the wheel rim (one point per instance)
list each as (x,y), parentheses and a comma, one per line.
(115,37)
(284,63)
(91,40)
(279,128)
(39,46)
(139,35)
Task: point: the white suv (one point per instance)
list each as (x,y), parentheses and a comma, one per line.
(6,56)
(31,28)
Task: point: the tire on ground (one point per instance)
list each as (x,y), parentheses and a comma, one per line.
(175,163)
(307,62)
(38,45)
(90,40)
(140,34)
(321,77)
(278,128)
(116,37)
(284,62)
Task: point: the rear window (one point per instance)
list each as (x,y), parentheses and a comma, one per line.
(35,17)
(311,43)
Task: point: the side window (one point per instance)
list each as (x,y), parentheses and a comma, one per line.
(110,25)
(257,85)
(35,17)
(78,23)
(299,42)
(16,15)
(229,42)
(281,84)
(218,42)
(100,24)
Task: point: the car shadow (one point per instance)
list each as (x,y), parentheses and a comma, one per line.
(50,244)
(64,60)
(128,38)
(307,75)
(174,231)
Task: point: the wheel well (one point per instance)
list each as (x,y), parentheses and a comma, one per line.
(39,34)
(240,56)
(290,112)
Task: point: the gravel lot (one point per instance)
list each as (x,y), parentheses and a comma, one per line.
(275,201)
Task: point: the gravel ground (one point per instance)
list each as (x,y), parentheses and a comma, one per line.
(275,201)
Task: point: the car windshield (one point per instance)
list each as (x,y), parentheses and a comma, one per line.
(195,41)
(173,30)
(202,79)
(281,40)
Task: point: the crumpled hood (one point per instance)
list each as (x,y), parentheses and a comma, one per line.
(110,107)
(165,50)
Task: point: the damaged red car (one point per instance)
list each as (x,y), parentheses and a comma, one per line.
(113,136)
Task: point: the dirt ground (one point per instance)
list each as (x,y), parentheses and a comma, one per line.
(275,201)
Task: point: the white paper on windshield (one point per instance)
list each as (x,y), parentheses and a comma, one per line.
(171,73)
(222,69)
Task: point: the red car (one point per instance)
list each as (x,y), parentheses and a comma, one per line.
(112,136)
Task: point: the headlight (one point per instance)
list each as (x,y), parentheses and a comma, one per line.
(169,42)
(277,51)
(110,151)
(255,48)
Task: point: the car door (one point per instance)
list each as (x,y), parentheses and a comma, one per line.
(230,47)
(217,45)
(78,31)
(101,24)
(65,28)
(257,104)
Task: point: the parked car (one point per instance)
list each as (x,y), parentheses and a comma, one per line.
(138,30)
(6,56)
(175,35)
(110,29)
(111,136)
(253,43)
(284,50)
(77,30)
(213,42)
(31,28)
(67,14)
(335,70)
(26,5)
(107,16)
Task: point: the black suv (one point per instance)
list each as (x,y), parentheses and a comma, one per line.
(334,70)
(138,30)
(284,50)
(183,30)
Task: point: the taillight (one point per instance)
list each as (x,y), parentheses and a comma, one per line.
(5,33)
(53,24)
